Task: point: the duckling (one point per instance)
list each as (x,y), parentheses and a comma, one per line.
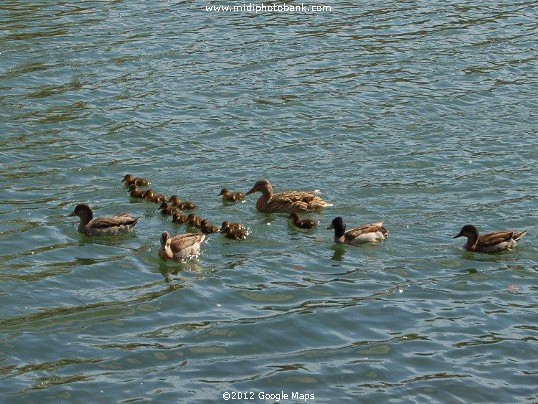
(231,196)
(232,225)
(368,233)
(286,202)
(168,210)
(151,196)
(194,220)
(303,223)
(130,180)
(489,243)
(135,192)
(208,228)
(179,218)
(181,246)
(234,233)
(122,223)
(182,205)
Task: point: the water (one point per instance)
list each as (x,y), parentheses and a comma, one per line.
(421,114)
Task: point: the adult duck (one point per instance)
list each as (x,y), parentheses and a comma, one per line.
(122,223)
(368,233)
(181,246)
(286,202)
(489,243)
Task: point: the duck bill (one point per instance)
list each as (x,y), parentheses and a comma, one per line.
(71,214)
(251,191)
(331,227)
(458,235)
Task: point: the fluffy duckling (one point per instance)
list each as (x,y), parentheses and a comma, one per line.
(208,228)
(229,196)
(151,196)
(234,233)
(168,210)
(194,220)
(132,180)
(179,218)
(135,192)
(181,246)
(232,225)
(489,243)
(122,223)
(182,205)
(286,202)
(303,223)
(368,233)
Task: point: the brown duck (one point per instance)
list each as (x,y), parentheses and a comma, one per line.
(229,196)
(181,246)
(151,196)
(179,218)
(489,243)
(129,180)
(303,223)
(208,228)
(122,223)
(234,233)
(286,202)
(135,192)
(167,209)
(182,205)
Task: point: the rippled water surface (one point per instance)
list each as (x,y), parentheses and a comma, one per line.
(421,114)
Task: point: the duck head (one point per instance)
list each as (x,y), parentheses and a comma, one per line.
(468,231)
(83,211)
(262,186)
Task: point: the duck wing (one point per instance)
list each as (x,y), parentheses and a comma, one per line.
(115,221)
(366,228)
(186,241)
(296,201)
(492,239)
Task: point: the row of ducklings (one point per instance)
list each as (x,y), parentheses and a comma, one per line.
(291,202)
(174,206)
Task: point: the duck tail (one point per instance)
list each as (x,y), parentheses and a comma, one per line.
(520,235)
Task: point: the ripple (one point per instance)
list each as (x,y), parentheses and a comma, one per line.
(421,115)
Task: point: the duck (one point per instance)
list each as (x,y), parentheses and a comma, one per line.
(234,233)
(303,223)
(368,233)
(122,223)
(129,180)
(168,210)
(179,218)
(286,202)
(194,220)
(489,243)
(229,196)
(135,192)
(182,205)
(232,225)
(208,228)
(181,246)
(151,196)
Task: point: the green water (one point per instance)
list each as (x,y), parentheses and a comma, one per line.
(420,114)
